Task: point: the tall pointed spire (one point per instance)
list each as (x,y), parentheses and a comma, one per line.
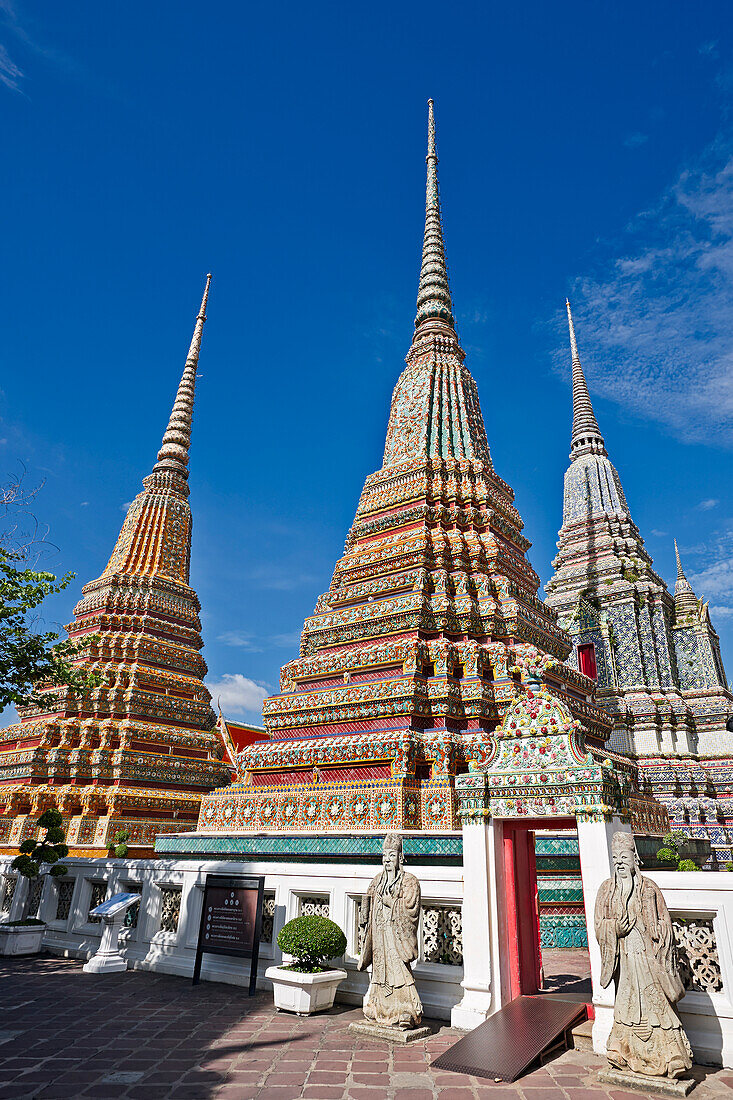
(173,454)
(685,600)
(435,407)
(433,295)
(155,539)
(586,433)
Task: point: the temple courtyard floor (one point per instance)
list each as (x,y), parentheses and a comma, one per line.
(64,1033)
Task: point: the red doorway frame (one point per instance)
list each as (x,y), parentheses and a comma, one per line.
(521,908)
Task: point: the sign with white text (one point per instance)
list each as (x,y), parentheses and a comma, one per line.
(231,920)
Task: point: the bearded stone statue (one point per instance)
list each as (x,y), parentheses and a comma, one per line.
(634,931)
(388,923)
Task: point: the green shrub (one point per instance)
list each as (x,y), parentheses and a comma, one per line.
(670,853)
(49,849)
(667,855)
(729,866)
(119,843)
(47,852)
(311,940)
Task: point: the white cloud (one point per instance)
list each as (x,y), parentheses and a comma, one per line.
(241,639)
(10,74)
(656,330)
(712,573)
(278,578)
(659,534)
(708,49)
(715,580)
(236,694)
(285,641)
(635,140)
(706,505)
(719,612)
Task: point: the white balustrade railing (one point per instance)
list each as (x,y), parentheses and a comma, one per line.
(163,934)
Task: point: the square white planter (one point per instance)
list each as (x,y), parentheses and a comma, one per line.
(304,993)
(21,939)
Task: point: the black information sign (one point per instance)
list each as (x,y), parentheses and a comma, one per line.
(231,920)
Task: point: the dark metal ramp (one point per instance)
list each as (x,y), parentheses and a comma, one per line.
(509,1041)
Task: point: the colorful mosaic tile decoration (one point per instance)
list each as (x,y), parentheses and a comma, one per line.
(657,659)
(139,751)
(431,652)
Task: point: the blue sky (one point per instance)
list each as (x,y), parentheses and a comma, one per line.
(586,149)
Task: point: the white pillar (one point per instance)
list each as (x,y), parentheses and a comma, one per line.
(108,959)
(20,898)
(594,845)
(481,970)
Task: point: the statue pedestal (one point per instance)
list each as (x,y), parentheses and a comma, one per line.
(391,1034)
(650,1086)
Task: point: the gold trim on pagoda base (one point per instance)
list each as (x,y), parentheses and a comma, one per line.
(95,833)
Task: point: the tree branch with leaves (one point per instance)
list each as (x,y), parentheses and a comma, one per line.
(31,659)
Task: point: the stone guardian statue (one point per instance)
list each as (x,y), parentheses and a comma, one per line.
(388,926)
(634,931)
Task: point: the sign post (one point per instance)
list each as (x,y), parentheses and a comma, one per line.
(231,921)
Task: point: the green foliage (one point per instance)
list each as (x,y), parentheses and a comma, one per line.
(119,843)
(50,819)
(25,866)
(29,658)
(670,852)
(16,923)
(668,855)
(49,849)
(729,866)
(311,940)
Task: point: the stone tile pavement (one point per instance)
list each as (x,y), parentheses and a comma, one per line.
(145,1036)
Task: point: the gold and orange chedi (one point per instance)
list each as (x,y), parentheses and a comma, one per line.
(139,751)
(431,634)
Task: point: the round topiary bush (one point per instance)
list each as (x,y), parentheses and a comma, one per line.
(50,849)
(311,940)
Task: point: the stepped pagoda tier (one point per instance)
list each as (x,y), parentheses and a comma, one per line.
(656,658)
(431,629)
(139,751)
